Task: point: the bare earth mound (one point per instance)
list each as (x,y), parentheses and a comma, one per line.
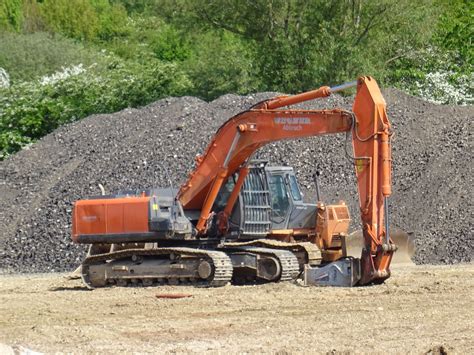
(432,152)
(421,309)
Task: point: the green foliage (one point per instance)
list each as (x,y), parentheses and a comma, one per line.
(75,20)
(11,15)
(221,64)
(134,6)
(29,56)
(169,45)
(78,19)
(150,37)
(112,20)
(32,109)
(456,29)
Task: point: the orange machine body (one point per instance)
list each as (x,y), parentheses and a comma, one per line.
(112,216)
(332,227)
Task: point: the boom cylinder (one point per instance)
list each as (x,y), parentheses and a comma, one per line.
(344,86)
(323,91)
(243,172)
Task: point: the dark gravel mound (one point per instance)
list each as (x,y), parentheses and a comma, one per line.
(432,172)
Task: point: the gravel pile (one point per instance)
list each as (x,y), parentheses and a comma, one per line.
(432,151)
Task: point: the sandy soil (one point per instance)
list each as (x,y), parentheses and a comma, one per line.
(420,309)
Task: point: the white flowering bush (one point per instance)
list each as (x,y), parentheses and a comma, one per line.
(441,77)
(63,74)
(4,78)
(446,88)
(29,110)
(26,57)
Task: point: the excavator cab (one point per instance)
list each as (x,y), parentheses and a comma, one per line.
(270,203)
(289,211)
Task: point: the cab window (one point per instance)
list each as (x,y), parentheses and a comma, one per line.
(295,190)
(224,194)
(279,196)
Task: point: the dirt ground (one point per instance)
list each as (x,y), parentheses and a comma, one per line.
(420,309)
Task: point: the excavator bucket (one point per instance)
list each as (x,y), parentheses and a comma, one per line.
(403,241)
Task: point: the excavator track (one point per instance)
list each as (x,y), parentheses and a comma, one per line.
(218,263)
(306,252)
(288,265)
(288,261)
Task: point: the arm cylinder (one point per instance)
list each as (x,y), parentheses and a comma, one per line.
(386,164)
(206,208)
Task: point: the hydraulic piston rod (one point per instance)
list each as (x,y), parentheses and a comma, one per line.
(323,91)
(344,86)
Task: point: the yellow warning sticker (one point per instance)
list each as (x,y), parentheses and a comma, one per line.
(359,165)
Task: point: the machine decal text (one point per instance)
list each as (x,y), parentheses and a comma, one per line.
(292,120)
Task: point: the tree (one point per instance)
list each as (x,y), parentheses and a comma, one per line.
(301,44)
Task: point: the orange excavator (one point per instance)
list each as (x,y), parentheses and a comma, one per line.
(242,220)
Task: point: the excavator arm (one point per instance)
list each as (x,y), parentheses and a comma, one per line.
(237,139)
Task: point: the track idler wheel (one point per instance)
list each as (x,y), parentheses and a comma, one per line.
(204,270)
(268,269)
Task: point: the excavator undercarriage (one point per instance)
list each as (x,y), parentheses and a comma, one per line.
(159,266)
(239,263)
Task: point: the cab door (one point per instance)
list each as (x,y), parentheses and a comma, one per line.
(280,200)
(302,215)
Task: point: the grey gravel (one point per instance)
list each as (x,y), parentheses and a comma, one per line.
(432,183)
